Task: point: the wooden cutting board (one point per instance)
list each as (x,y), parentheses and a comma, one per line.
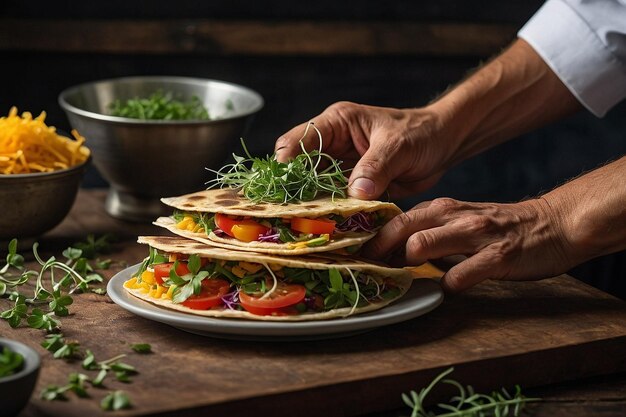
(497,334)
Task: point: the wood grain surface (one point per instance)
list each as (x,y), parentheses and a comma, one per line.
(497,334)
(249,37)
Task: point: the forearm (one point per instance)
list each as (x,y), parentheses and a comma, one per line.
(513,94)
(591,210)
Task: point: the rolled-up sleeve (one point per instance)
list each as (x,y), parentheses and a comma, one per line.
(584,43)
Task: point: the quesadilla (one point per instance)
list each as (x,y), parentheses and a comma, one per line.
(225,218)
(188,276)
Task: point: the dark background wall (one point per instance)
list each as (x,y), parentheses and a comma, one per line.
(49,46)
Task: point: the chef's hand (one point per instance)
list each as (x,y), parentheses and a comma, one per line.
(405,151)
(532,239)
(398,150)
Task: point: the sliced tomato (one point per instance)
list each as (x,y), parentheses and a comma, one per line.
(210,296)
(314,226)
(285,296)
(162,271)
(246,230)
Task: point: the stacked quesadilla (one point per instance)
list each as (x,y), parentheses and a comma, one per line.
(225,218)
(258,286)
(297,261)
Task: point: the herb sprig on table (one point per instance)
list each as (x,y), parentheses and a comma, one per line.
(44,294)
(267,180)
(468,403)
(160,106)
(54,284)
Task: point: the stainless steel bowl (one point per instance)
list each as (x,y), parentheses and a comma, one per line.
(32,204)
(144,160)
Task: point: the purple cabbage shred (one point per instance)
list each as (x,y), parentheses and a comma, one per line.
(358,222)
(271,235)
(231,300)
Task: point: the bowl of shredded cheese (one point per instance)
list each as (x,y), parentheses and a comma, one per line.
(40,173)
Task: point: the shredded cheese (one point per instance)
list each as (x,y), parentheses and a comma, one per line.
(28,145)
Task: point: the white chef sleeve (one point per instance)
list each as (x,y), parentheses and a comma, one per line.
(584,43)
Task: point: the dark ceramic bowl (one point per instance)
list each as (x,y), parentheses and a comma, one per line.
(32,204)
(16,389)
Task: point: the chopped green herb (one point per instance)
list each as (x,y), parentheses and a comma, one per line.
(76,383)
(116,400)
(141,347)
(61,349)
(160,106)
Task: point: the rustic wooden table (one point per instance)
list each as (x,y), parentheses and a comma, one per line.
(537,334)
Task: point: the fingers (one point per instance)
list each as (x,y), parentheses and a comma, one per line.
(288,145)
(380,164)
(468,273)
(395,233)
(334,125)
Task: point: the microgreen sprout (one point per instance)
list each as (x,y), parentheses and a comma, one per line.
(54,284)
(301,179)
(122,371)
(76,383)
(468,403)
(61,349)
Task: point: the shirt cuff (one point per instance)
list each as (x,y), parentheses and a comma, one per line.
(577,56)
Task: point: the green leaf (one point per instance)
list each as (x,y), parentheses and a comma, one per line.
(72,253)
(77,382)
(53,392)
(99,379)
(116,400)
(53,342)
(104,264)
(182,293)
(13,246)
(193,264)
(89,362)
(123,367)
(141,347)
(336,281)
(40,320)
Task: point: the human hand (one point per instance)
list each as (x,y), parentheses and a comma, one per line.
(518,241)
(399,150)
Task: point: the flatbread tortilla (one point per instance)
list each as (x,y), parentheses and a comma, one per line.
(338,241)
(402,278)
(231,202)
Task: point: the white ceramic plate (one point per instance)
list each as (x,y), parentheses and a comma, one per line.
(423,296)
